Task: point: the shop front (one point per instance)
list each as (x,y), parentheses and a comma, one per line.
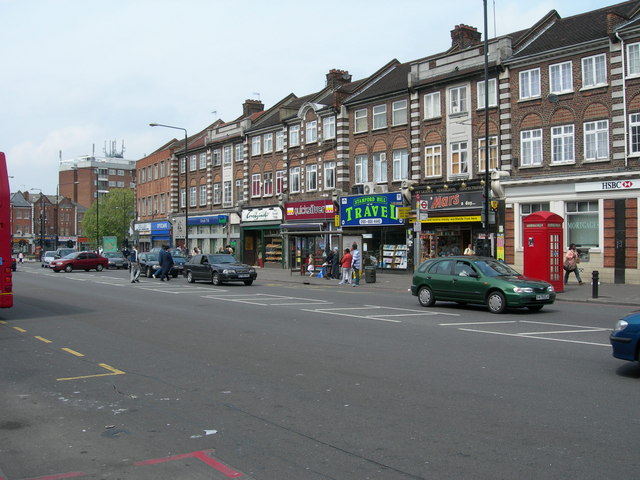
(160,234)
(210,233)
(373,221)
(260,237)
(142,236)
(309,229)
(449,221)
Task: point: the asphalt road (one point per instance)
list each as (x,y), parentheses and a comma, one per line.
(105,379)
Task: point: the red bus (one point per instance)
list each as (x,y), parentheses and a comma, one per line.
(6,286)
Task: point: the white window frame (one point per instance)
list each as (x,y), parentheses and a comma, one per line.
(256,185)
(216,157)
(279,140)
(633,59)
(239,190)
(217,200)
(563,144)
(400,164)
(493,94)
(183,165)
(294,179)
(529,84)
(379,167)
(531,151)
(227,194)
(432,107)
(267,184)
(267,143)
(596,133)
(256,144)
(594,71)
(433,161)
(329,127)
(459,157)
(193,163)
(193,196)
(379,117)
(493,153)
(239,152)
(183,197)
(312,177)
(279,181)
(458,102)
(399,112)
(294,135)
(329,175)
(360,121)
(561,77)
(361,169)
(311,131)
(203,195)
(634,134)
(203,160)
(226,155)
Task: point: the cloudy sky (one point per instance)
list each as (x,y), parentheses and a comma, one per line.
(79,74)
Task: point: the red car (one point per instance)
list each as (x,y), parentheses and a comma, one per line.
(80,261)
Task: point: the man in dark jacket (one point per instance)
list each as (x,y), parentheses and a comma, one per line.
(335,264)
(166,263)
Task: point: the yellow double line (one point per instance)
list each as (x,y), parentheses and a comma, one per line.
(113,371)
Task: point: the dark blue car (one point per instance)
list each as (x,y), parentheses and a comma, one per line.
(625,336)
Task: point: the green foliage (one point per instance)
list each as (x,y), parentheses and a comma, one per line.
(113,216)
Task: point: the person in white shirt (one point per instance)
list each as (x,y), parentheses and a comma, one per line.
(134,262)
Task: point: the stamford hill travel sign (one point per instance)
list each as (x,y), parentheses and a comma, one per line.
(375,210)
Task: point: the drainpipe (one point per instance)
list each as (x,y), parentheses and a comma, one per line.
(624,100)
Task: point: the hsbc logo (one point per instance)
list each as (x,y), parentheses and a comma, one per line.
(619,185)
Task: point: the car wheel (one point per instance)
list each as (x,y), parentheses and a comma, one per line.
(248,283)
(496,302)
(99,268)
(190,278)
(535,308)
(215,278)
(425,297)
(68,268)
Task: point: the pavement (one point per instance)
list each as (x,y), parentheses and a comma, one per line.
(615,293)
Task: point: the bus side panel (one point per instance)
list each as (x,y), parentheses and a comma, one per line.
(6,285)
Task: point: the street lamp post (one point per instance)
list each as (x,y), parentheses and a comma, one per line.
(487,178)
(97,209)
(41,221)
(186,188)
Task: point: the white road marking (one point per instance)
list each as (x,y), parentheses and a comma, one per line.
(535,337)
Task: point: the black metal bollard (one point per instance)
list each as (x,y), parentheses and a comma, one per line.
(595,280)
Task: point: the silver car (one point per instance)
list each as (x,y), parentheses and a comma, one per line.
(47,258)
(116,259)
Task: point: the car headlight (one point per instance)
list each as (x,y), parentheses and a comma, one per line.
(620,325)
(252,270)
(523,289)
(550,288)
(226,271)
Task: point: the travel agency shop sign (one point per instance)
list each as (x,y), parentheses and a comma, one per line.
(311,210)
(378,209)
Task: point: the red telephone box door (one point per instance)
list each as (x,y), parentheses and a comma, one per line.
(543,241)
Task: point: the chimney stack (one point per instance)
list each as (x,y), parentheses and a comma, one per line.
(463,36)
(249,107)
(336,77)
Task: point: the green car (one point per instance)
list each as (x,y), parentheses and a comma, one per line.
(479,280)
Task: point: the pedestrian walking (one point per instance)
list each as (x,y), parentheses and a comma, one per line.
(166,264)
(20,257)
(571,261)
(356,263)
(335,264)
(134,265)
(345,263)
(310,265)
(469,250)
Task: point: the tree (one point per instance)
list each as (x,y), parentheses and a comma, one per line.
(114,214)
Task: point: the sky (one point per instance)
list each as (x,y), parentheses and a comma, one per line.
(79,75)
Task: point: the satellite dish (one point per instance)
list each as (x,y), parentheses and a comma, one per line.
(553,98)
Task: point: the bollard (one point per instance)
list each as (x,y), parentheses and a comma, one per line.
(594,283)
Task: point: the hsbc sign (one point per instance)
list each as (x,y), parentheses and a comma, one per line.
(608,185)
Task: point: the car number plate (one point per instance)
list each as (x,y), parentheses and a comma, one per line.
(243,275)
(542,297)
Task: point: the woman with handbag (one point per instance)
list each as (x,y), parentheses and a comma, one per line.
(571,261)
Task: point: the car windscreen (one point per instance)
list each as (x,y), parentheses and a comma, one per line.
(72,255)
(491,268)
(152,257)
(222,259)
(49,254)
(111,255)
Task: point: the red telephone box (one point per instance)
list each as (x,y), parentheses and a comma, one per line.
(543,244)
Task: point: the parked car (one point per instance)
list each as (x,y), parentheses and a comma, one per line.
(116,259)
(625,336)
(479,280)
(47,258)
(148,263)
(218,268)
(80,261)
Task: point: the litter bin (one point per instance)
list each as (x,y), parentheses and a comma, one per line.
(370,274)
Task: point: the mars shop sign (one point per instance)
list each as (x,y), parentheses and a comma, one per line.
(375,210)
(453,201)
